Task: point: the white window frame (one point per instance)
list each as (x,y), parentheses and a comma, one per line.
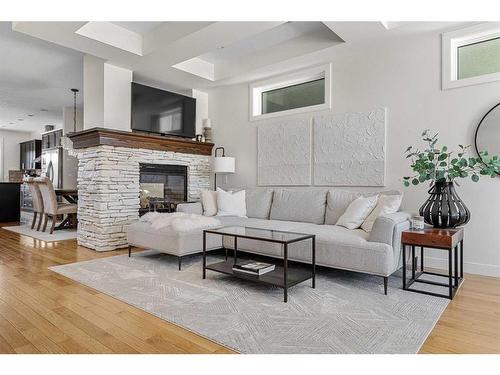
(452,40)
(257,88)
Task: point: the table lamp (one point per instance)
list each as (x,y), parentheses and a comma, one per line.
(222,164)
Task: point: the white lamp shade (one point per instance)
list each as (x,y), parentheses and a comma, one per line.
(224,164)
(206,123)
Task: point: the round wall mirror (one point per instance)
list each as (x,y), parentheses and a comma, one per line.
(488,132)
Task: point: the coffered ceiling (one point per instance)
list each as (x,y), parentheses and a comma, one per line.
(201,55)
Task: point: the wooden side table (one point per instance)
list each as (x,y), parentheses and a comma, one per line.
(449,240)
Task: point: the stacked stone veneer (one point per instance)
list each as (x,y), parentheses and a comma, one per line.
(108,190)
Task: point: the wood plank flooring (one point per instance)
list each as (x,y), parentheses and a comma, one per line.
(43,312)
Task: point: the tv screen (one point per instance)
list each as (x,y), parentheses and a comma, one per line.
(162,112)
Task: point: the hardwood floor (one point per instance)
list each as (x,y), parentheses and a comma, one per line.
(43,312)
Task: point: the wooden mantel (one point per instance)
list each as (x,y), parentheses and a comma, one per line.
(110,137)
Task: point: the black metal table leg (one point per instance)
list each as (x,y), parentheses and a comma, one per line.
(421,258)
(314,262)
(404,267)
(285,272)
(456,265)
(204,254)
(462,258)
(450,272)
(235,249)
(413,261)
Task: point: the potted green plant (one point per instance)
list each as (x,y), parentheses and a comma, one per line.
(444,208)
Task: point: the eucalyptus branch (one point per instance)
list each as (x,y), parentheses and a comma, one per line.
(437,164)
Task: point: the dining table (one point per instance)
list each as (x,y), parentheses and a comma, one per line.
(70,196)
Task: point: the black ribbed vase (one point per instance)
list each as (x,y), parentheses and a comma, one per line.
(444,208)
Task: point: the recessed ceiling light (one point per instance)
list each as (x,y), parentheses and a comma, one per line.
(20,119)
(11,123)
(220,47)
(44,110)
(30,115)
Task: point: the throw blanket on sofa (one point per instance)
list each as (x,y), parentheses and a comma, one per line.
(180,221)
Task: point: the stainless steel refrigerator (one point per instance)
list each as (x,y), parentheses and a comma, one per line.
(52,163)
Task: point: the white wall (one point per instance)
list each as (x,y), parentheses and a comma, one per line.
(403,75)
(10,151)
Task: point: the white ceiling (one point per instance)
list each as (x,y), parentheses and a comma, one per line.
(268,39)
(36,74)
(35,78)
(142,28)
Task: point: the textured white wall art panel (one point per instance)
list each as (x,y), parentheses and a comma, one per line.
(349,149)
(284,153)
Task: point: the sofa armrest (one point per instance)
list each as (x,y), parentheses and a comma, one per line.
(190,208)
(387,228)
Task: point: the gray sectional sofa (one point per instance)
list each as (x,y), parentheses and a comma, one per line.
(315,211)
(304,210)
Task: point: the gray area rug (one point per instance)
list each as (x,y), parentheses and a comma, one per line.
(58,235)
(346,313)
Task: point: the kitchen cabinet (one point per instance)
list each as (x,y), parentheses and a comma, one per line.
(29,151)
(10,202)
(51,139)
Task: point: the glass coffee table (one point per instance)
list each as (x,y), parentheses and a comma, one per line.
(283,276)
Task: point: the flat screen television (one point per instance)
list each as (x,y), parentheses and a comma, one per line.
(162,112)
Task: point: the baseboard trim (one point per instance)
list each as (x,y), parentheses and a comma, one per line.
(469,267)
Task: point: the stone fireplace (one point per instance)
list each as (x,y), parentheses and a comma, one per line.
(109,179)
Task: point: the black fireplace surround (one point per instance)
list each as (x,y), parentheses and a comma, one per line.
(161,185)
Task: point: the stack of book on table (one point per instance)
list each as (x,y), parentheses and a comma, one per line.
(252,267)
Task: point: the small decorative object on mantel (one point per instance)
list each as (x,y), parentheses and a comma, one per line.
(207,129)
(199,138)
(444,208)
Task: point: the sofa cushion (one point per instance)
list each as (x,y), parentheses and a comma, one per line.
(259,203)
(357,212)
(337,202)
(306,206)
(231,204)
(209,202)
(386,204)
(344,248)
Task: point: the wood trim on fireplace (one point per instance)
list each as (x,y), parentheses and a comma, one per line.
(100,136)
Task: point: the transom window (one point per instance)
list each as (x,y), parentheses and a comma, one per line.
(471,56)
(305,91)
(478,58)
(295,96)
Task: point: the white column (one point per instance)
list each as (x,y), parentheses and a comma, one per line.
(201,108)
(107,94)
(93,92)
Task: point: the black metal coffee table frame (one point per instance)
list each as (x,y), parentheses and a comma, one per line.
(283,277)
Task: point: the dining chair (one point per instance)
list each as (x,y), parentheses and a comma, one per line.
(51,207)
(36,197)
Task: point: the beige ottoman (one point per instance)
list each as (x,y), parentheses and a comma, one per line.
(169,241)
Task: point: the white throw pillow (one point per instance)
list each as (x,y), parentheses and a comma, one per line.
(357,212)
(231,204)
(387,204)
(209,202)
